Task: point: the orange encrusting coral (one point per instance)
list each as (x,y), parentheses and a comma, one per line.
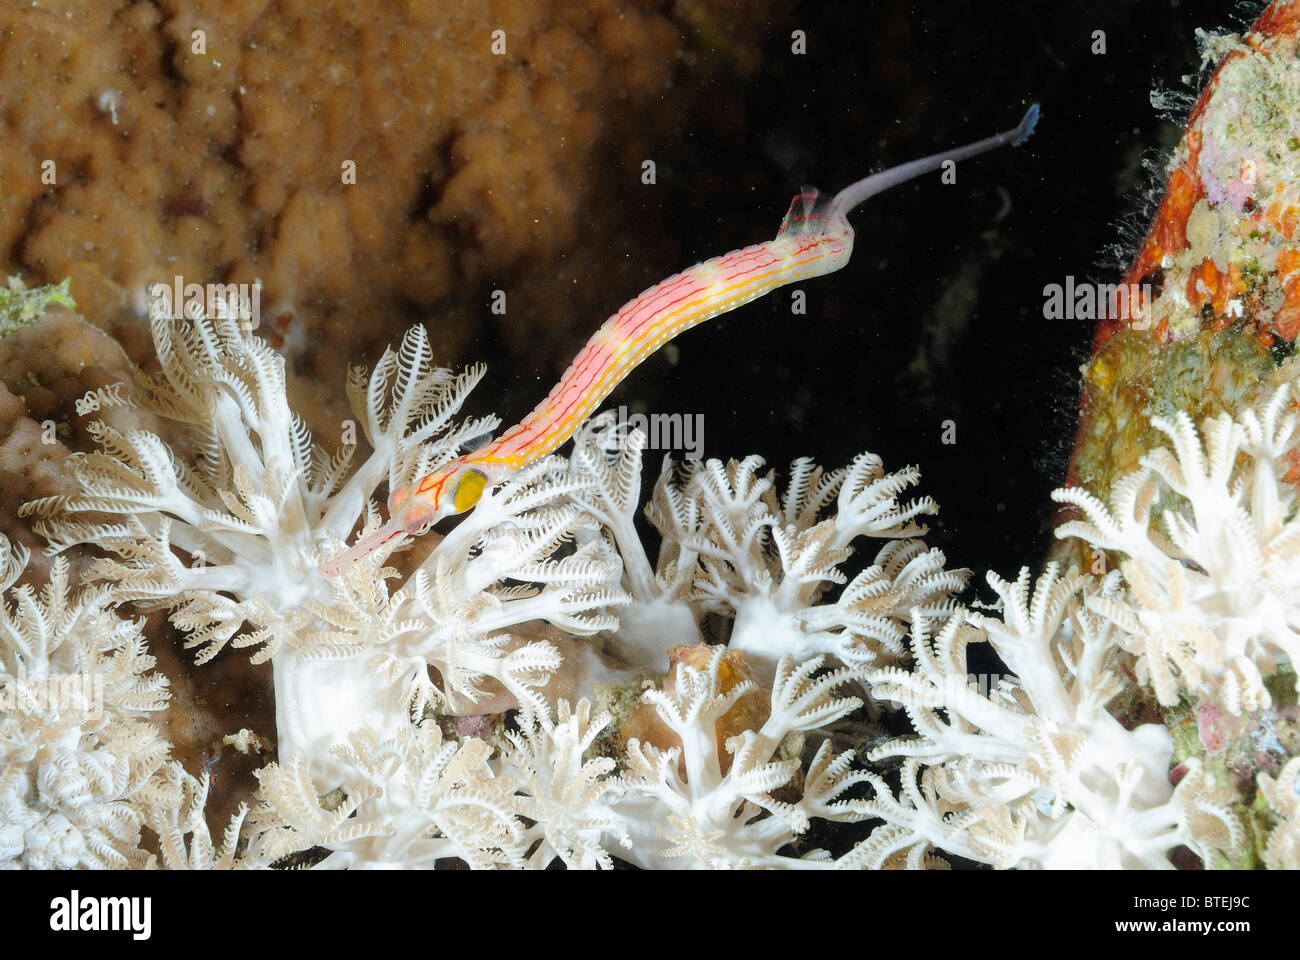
(1287,319)
(1185,186)
(1222,258)
(1280,216)
(1207,284)
(1167,235)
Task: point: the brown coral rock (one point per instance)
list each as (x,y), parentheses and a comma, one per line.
(370,164)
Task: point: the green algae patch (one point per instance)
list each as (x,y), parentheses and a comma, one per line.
(20,307)
(1134,378)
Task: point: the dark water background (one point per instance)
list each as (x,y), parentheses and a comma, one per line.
(939,315)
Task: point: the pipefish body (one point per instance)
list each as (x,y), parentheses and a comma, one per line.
(815,239)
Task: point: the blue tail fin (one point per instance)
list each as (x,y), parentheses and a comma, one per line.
(1026,127)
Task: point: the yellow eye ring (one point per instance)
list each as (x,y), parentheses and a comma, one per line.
(469,489)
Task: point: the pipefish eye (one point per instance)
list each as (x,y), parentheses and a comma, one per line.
(398,498)
(469,489)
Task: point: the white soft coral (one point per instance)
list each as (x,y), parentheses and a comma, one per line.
(1037,772)
(731,547)
(255,507)
(1215,596)
(695,806)
(1283,798)
(77,747)
(544,595)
